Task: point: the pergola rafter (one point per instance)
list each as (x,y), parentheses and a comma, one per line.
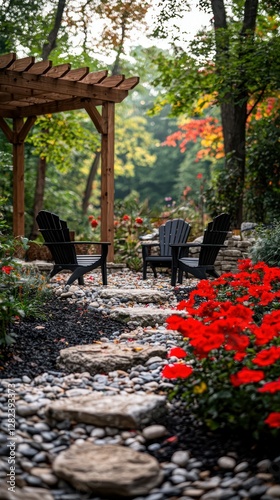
(29,89)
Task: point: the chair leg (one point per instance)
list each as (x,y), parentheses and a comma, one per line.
(104,274)
(144,270)
(77,275)
(173,276)
(213,273)
(154,271)
(180,276)
(56,269)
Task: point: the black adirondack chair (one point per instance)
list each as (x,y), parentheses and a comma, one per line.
(57,238)
(203,266)
(173,231)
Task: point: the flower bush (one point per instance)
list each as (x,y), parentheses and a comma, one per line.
(22,290)
(228,369)
(132,219)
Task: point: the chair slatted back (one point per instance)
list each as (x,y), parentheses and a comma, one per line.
(215,234)
(172,232)
(55,230)
(208,255)
(220,223)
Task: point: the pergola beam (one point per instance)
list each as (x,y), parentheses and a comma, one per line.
(59,86)
(29,89)
(95,117)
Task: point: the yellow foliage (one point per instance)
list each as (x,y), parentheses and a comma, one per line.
(205,102)
(200,388)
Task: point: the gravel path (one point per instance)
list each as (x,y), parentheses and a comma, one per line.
(197,463)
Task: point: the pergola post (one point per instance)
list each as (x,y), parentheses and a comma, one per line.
(18,180)
(107,177)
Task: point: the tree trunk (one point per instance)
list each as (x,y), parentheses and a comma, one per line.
(48,47)
(90,179)
(234,107)
(234,131)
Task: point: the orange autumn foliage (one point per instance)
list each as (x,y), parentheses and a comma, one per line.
(209,131)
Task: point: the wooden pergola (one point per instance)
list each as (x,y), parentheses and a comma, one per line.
(29,89)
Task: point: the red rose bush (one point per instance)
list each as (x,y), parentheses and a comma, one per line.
(228,366)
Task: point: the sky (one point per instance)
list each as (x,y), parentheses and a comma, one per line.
(191,23)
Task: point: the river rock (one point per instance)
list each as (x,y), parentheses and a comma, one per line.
(108,470)
(127,411)
(103,358)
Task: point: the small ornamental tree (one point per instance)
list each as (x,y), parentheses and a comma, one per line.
(227,369)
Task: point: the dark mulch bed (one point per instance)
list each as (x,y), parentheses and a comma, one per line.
(38,345)
(39,341)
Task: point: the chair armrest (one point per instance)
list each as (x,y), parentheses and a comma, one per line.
(90,242)
(185,245)
(150,244)
(189,245)
(213,245)
(77,243)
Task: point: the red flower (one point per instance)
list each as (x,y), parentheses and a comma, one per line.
(90,217)
(272,318)
(246,376)
(239,356)
(7,269)
(191,328)
(178,352)
(237,343)
(267,356)
(273,419)
(271,386)
(176,370)
(174,322)
(138,220)
(199,176)
(204,343)
(264,333)
(94,223)
(126,217)
(244,264)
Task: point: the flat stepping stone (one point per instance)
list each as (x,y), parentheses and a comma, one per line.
(26,493)
(144,316)
(104,358)
(108,470)
(140,295)
(126,411)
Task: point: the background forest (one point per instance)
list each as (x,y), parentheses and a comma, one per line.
(198,135)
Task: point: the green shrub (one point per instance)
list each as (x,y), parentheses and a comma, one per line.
(22,289)
(267,246)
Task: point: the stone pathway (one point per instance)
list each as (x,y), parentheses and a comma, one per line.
(87,430)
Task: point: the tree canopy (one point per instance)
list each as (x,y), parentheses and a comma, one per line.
(214,102)
(234,65)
